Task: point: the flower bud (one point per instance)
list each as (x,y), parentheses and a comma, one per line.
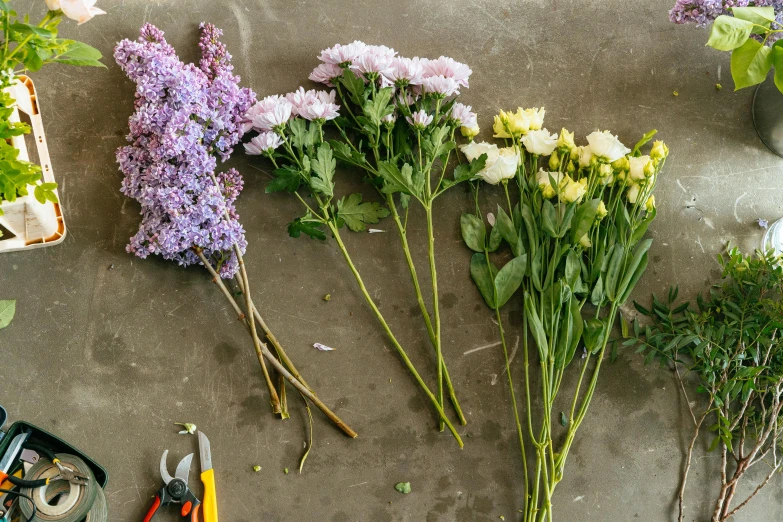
(585,242)
(571,168)
(633,193)
(649,169)
(621,164)
(554,161)
(470,132)
(649,205)
(573,190)
(659,151)
(566,141)
(601,211)
(501,121)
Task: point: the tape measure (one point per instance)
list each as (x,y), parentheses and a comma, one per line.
(62,501)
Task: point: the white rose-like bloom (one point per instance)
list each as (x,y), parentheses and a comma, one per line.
(542,178)
(540,142)
(503,167)
(585,156)
(535,117)
(475,149)
(573,190)
(606,146)
(638,166)
(633,193)
(80,10)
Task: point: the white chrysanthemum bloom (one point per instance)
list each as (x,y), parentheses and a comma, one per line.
(448,67)
(463,115)
(545,184)
(606,146)
(502,168)
(326,73)
(475,149)
(403,71)
(638,165)
(278,113)
(342,54)
(262,143)
(440,85)
(540,142)
(419,119)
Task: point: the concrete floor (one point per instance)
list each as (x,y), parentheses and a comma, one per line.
(109,359)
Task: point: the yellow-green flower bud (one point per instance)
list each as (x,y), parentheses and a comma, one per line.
(585,242)
(622,164)
(633,193)
(649,169)
(649,205)
(501,120)
(601,211)
(554,161)
(659,151)
(470,132)
(571,168)
(566,141)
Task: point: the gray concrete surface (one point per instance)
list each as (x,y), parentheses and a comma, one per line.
(108,359)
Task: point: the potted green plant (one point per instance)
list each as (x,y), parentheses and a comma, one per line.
(30,215)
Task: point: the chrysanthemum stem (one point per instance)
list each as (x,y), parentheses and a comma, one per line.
(408,363)
(435,305)
(422,306)
(264,351)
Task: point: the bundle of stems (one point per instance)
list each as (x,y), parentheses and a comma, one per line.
(574,235)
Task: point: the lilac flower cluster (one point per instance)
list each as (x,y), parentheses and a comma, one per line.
(185,118)
(704,12)
(411,78)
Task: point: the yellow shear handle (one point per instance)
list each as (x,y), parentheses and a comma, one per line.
(209,504)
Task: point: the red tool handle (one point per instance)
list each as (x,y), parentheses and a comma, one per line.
(153,509)
(194,514)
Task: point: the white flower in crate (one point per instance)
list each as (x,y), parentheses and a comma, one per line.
(79,10)
(475,149)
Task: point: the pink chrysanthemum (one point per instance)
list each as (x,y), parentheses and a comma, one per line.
(326,74)
(463,115)
(403,71)
(440,85)
(343,54)
(419,119)
(273,112)
(264,142)
(374,59)
(449,68)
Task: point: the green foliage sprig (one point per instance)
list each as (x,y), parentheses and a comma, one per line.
(728,347)
(26,47)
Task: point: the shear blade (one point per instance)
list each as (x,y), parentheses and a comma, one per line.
(183,468)
(164,472)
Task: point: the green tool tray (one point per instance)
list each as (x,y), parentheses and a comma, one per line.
(56,444)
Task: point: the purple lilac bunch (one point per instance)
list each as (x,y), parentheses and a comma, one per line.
(186,117)
(703,12)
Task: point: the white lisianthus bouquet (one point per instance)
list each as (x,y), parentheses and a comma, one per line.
(574,233)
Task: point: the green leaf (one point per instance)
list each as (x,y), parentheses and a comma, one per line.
(473,232)
(777,61)
(379,107)
(494,239)
(536,327)
(572,268)
(584,217)
(343,152)
(403,487)
(324,167)
(750,64)
(549,218)
(563,419)
(630,269)
(465,172)
(593,334)
(7,311)
(354,85)
(597,295)
(508,232)
(287,179)
(310,228)
(634,279)
(397,180)
(613,271)
(357,214)
(509,278)
(642,142)
(762,16)
(483,274)
(727,33)
(80,54)
(29,29)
